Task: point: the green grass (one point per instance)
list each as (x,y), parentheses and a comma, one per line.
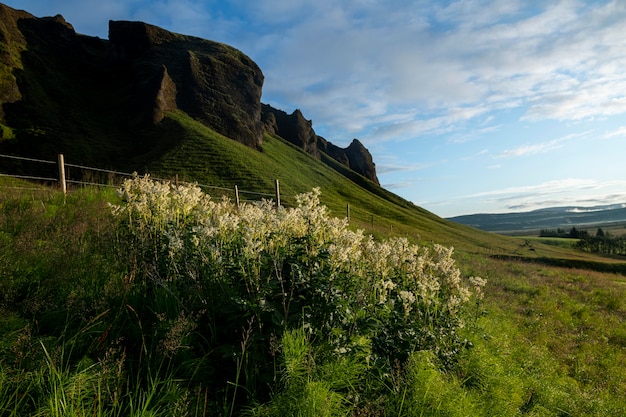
(547,340)
(200,154)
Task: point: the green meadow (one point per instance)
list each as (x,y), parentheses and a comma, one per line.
(114,306)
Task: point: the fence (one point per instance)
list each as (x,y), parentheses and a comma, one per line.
(113,179)
(90,176)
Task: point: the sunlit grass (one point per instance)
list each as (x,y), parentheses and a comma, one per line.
(547,340)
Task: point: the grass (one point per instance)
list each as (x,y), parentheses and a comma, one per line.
(200,154)
(547,340)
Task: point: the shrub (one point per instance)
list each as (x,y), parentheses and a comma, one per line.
(246,275)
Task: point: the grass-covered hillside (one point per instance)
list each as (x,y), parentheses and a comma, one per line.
(199,154)
(181,306)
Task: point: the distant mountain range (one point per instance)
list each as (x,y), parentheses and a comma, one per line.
(548,218)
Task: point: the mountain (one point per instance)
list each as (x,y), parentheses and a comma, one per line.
(177,106)
(299,131)
(547,218)
(100,101)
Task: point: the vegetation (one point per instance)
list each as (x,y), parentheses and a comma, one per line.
(603,243)
(573,233)
(161,301)
(115,315)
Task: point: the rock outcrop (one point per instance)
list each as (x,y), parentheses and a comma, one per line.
(129,81)
(292,127)
(296,129)
(355,156)
(215,83)
(13,43)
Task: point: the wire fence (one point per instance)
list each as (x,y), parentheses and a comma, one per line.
(76,175)
(71,176)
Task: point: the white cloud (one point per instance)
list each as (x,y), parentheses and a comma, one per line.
(542,147)
(621,131)
(345,63)
(548,187)
(563,192)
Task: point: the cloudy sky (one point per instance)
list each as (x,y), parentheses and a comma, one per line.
(466,106)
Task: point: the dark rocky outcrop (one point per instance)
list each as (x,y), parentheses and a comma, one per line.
(53,79)
(95,99)
(296,129)
(355,156)
(215,83)
(292,127)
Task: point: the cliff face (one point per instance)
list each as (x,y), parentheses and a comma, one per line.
(14,43)
(299,131)
(94,99)
(212,82)
(53,79)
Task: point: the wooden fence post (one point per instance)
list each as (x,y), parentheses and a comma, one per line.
(62,174)
(237,197)
(277,193)
(348,212)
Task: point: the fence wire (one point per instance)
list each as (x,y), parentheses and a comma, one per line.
(126,175)
(234,192)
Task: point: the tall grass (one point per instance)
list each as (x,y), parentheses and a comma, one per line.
(203,310)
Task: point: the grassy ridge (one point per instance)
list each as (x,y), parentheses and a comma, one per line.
(202,155)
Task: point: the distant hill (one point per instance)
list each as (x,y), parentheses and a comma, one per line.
(548,218)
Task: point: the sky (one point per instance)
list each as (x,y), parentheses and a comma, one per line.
(466,106)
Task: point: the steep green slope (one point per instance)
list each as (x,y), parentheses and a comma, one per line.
(199,154)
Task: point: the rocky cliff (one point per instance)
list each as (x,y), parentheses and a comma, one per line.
(95,99)
(298,130)
(212,82)
(51,77)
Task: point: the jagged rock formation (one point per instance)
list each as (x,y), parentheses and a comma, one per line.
(95,100)
(53,79)
(299,131)
(293,127)
(355,156)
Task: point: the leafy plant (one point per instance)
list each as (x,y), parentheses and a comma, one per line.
(248,274)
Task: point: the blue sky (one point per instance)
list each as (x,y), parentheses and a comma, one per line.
(466,106)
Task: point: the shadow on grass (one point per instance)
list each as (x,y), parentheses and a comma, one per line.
(617,268)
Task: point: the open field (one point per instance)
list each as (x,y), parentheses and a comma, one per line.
(547,340)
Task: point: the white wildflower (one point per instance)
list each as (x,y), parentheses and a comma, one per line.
(408,299)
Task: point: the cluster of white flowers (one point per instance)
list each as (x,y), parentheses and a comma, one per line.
(193,232)
(408,299)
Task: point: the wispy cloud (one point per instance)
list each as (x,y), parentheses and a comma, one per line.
(563,192)
(388,168)
(543,147)
(536,189)
(621,131)
(397,185)
(530,149)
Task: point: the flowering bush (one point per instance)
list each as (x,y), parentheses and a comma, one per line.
(247,274)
